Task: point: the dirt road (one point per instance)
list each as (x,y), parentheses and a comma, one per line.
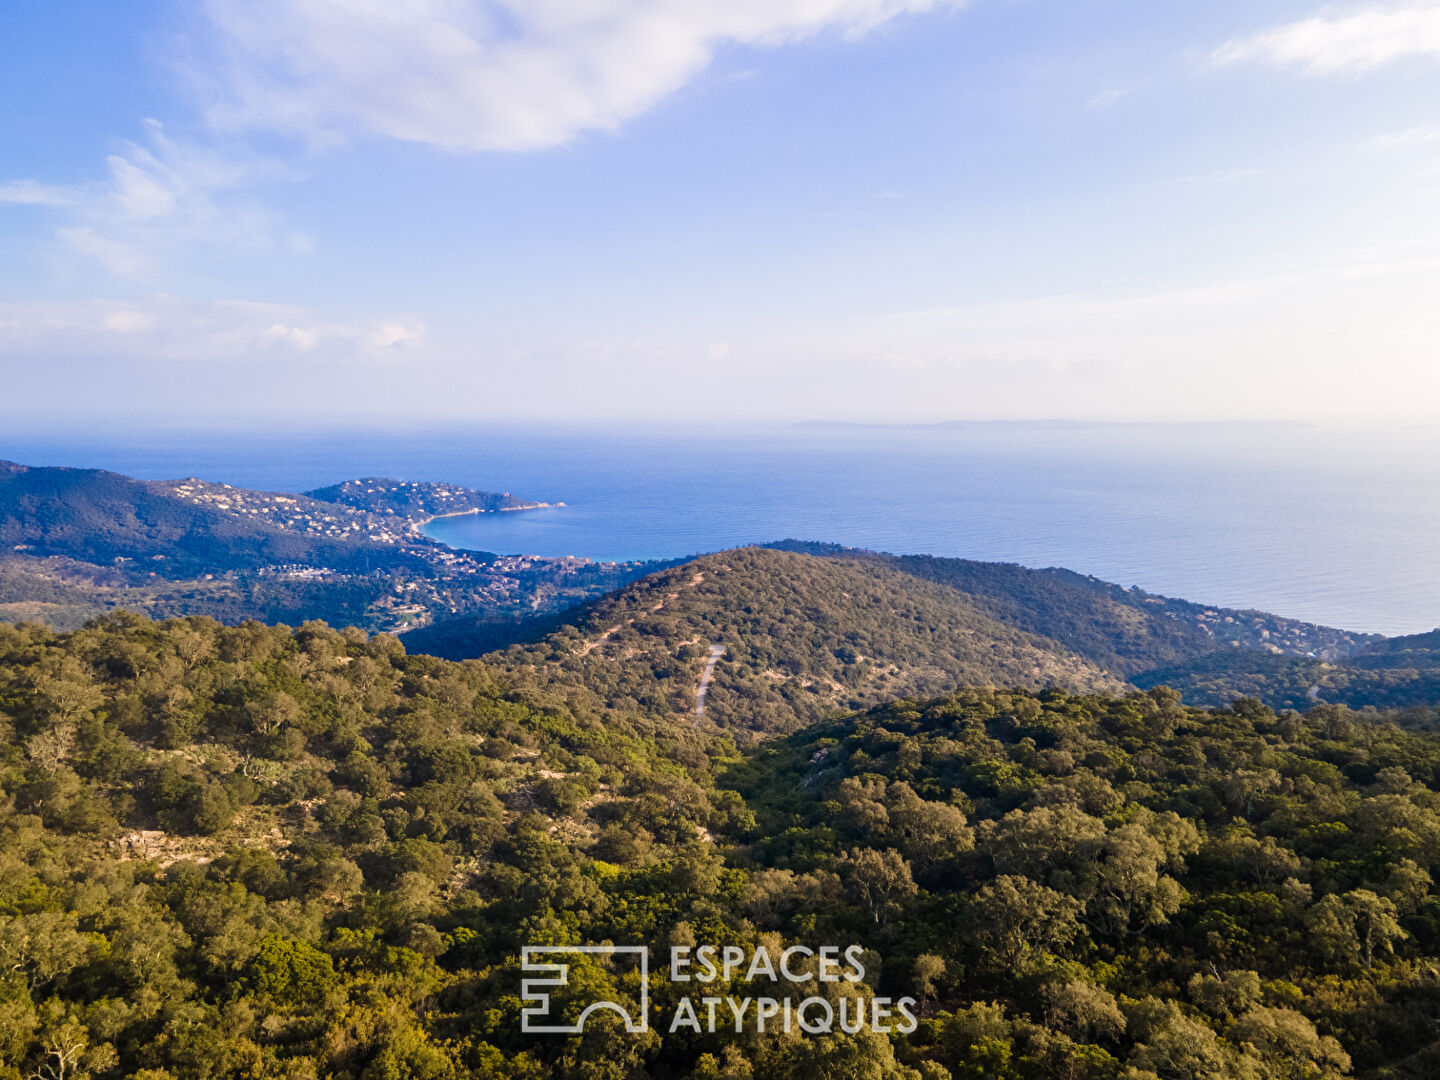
(716,651)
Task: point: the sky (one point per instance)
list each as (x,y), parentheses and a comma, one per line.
(369,211)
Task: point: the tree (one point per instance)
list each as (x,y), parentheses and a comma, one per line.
(289,972)
(1053,844)
(43,946)
(1225,995)
(926,975)
(1174,1046)
(1289,1045)
(928,832)
(1015,920)
(1126,890)
(1083,1010)
(269,713)
(50,748)
(63,1048)
(1356,926)
(1263,861)
(881,880)
(69,690)
(1244,786)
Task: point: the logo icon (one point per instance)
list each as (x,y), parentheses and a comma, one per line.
(536,991)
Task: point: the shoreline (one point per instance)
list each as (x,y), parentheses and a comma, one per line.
(476,511)
(418,527)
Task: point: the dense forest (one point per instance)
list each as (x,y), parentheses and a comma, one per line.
(1127,631)
(1297,682)
(260,852)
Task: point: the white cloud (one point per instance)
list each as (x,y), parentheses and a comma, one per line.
(117,256)
(127,320)
(158,197)
(168,328)
(33,193)
(1361,40)
(483,74)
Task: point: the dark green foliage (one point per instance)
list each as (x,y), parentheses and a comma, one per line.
(289,972)
(812,629)
(1127,631)
(1195,893)
(329,866)
(1399,673)
(263,852)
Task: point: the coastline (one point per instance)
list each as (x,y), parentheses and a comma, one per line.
(418,527)
(476,511)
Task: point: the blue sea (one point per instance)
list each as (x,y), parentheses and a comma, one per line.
(1334,525)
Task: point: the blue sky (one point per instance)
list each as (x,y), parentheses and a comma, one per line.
(756,209)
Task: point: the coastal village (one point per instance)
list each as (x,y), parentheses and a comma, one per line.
(411,581)
(379,511)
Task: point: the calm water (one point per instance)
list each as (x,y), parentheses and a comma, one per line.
(1334,526)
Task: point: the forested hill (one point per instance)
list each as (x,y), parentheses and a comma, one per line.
(186,525)
(1212,655)
(255,852)
(810,628)
(182,527)
(104,518)
(1128,631)
(1121,888)
(416,500)
(802,637)
(806,628)
(77,542)
(1397,673)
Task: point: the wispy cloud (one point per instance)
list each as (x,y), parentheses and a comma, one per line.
(169,328)
(1423,135)
(1217,176)
(34,193)
(1106,98)
(157,197)
(483,74)
(1356,41)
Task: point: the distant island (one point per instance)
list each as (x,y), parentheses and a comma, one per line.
(1055,425)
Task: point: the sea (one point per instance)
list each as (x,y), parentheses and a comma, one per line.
(1335,525)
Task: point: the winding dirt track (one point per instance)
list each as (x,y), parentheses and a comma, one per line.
(591,646)
(716,651)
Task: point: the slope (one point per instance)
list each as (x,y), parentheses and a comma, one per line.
(1397,673)
(1169,888)
(102,517)
(75,542)
(1127,631)
(803,636)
